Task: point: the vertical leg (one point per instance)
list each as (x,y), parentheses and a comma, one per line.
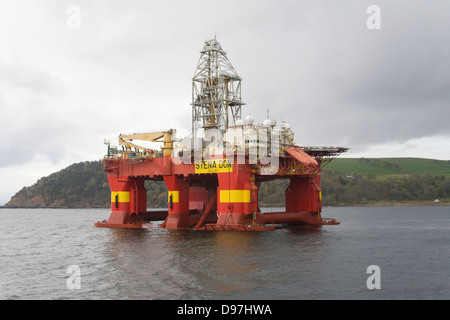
(178,202)
(304,195)
(138,196)
(120,200)
(128,199)
(237,196)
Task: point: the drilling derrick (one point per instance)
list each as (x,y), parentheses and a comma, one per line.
(216,91)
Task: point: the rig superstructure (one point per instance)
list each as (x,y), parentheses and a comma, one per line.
(213,176)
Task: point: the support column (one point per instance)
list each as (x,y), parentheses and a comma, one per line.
(237,196)
(120,200)
(138,196)
(128,199)
(178,202)
(304,194)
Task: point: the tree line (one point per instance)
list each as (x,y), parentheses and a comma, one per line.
(338,189)
(84,184)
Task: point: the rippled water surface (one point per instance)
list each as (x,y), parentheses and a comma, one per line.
(409,244)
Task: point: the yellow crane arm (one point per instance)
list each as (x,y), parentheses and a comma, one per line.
(166,136)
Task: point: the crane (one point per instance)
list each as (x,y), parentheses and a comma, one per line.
(165,137)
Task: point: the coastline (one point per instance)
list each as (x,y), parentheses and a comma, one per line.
(375,204)
(396,204)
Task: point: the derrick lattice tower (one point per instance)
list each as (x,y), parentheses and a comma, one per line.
(216,91)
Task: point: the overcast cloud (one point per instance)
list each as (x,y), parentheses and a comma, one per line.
(128,68)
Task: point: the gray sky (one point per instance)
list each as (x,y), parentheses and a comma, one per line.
(129,65)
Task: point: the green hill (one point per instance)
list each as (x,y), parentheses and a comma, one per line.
(345,181)
(385,167)
(80,185)
(383,181)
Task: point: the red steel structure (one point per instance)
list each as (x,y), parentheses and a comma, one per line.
(216,190)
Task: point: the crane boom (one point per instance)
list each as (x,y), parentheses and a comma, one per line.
(166,136)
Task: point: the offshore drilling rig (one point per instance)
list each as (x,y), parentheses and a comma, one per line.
(213,175)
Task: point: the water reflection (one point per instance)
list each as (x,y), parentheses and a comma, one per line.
(126,235)
(235,261)
(196,264)
(138,265)
(305,230)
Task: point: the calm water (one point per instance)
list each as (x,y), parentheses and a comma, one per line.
(409,244)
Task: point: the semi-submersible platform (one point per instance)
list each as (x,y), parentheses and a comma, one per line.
(213,175)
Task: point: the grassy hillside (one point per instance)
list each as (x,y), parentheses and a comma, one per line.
(362,181)
(388,167)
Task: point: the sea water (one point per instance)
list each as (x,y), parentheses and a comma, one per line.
(59,254)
